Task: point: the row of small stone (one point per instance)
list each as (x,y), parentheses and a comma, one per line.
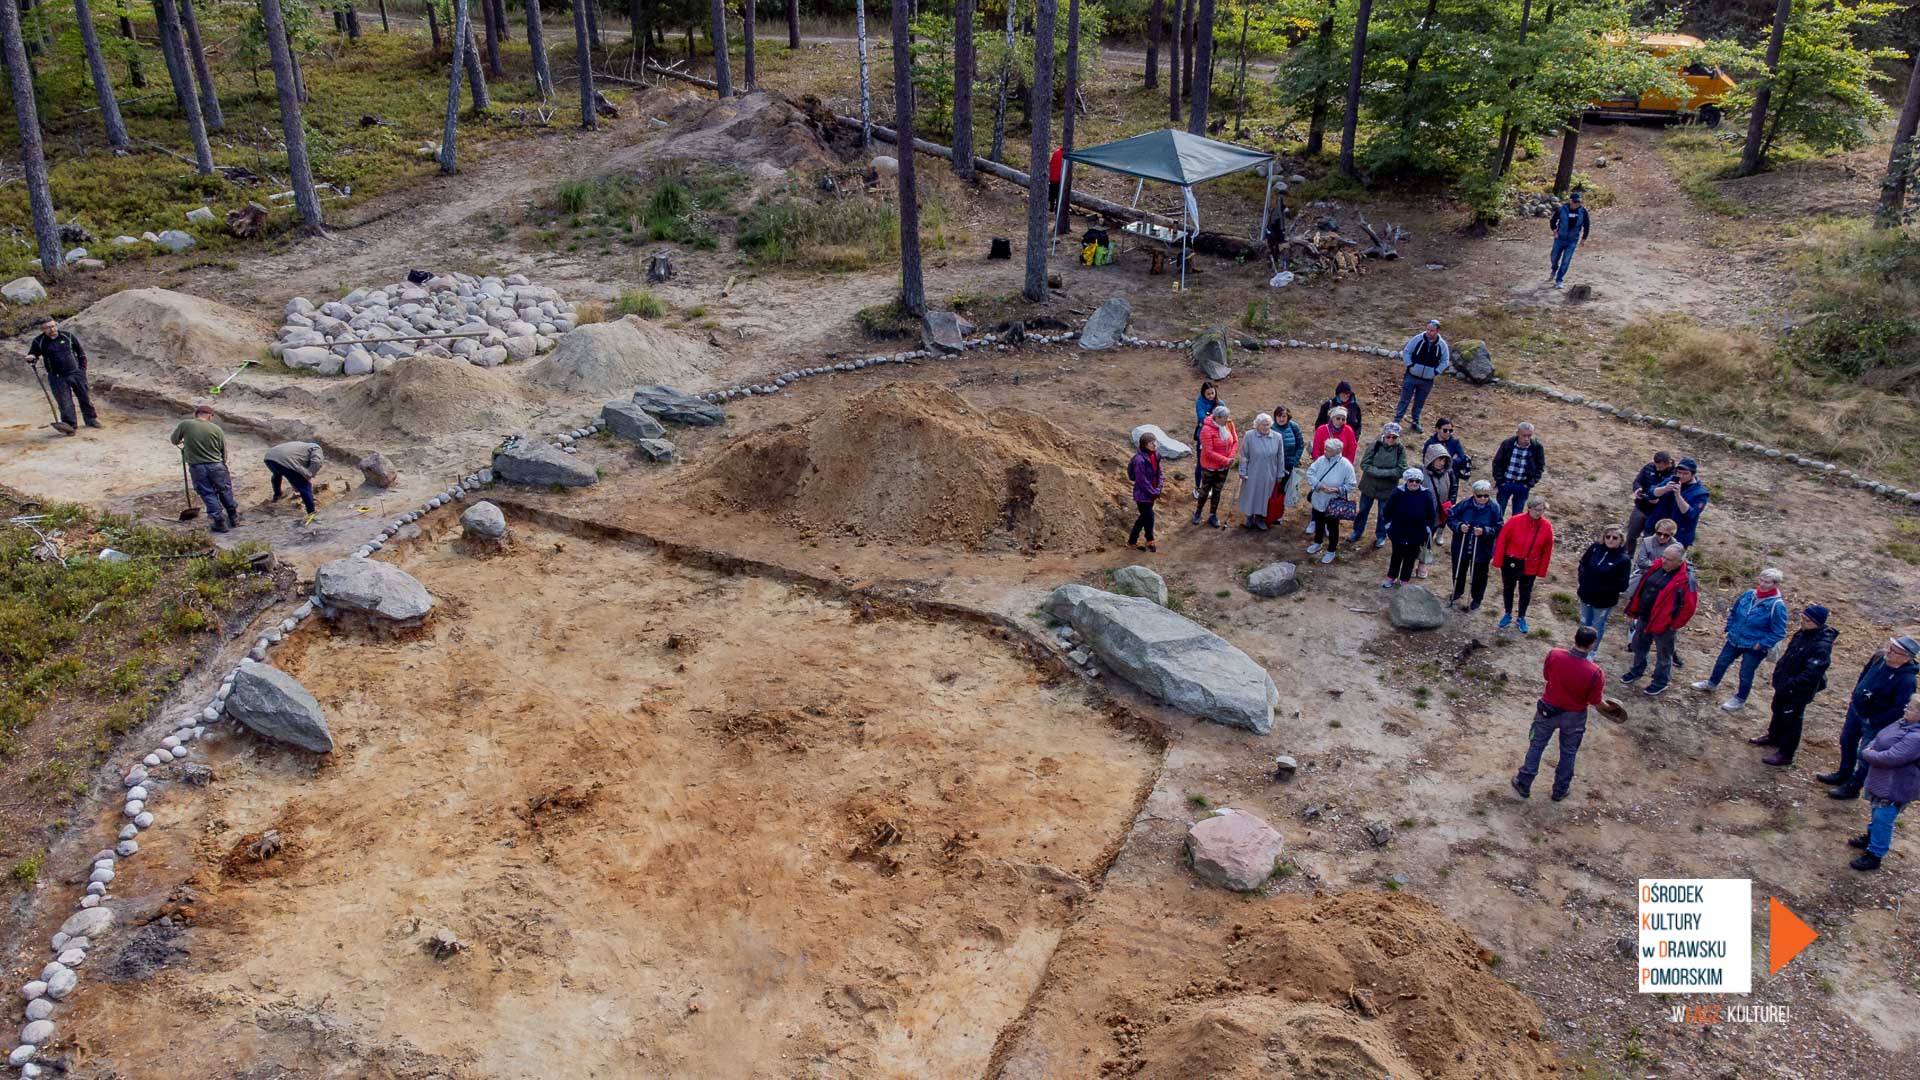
(1862,482)
(779,382)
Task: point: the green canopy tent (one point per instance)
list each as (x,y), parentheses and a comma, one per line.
(1183,160)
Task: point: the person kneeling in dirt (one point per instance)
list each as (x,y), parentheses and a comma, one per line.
(66,362)
(297,463)
(204,446)
(1660,602)
(1574,683)
(1893,781)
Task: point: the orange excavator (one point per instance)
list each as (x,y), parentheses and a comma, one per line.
(1706,86)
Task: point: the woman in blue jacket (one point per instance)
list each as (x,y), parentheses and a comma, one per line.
(1476,525)
(1203,406)
(1756,623)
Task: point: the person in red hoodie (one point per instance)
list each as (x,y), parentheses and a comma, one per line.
(1219,445)
(1573,684)
(1660,601)
(1055,166)
(1524,550)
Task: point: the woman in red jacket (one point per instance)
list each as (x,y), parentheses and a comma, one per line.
(1524,550)
(1219,444)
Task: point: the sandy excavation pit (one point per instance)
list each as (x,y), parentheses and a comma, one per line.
(685,823)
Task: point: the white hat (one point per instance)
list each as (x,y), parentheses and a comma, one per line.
(1413,474)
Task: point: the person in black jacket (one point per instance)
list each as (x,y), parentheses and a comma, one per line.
(1518,465)
(1342,399)
(1879,698)
(1800,674)
(1650,476)
(1604,570)
(66,363)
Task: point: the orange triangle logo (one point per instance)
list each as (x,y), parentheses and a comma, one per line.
(1786,935)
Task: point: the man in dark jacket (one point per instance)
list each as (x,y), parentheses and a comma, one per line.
(1800,674)
(1879,698)
(1651,476)
(1683,498)
(66,363)
(1518,465)
(1425,357)
(1571,224)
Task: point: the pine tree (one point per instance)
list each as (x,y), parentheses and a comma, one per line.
(793,24)
(1066,115)
(584,52)
(913,290)
(1040,151)
(299,169)
(1901,161)
(1203,70)
(462,44)
(209,97)
(1751,153)
(963,65)
(721,78)
(174,48)
(102,83)
(537,45)
(1154,14)
(33,159)
(1355,72)
(746,31)
(866,95)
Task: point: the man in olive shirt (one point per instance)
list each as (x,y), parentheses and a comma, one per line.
(204,446)
(66,365)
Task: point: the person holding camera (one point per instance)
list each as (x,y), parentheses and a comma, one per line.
(1682,498)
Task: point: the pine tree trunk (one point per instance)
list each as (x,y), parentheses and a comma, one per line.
(1203,64)
(209,97)
(1240,77)
(506,30)
(866,93)
(476,76)
(1039,152)
(964,62)
(490,23)
(637,29)
(1154,15)
(1893,189)
(1569,148)
(433,24)
(1066,115)
(299,169)
(793,24)
(299,77)
(998,154)
(33,158)
(913,290)
(593,22)
(172,43)
(1186,50)
(582,45)
(1323,92)
(722,78)
(353,22)
(1355,71)
(537,45)
(164,34)
(1176,43)
(746,28)
(385,26)
(102,83)
(460,60)
(135,76)
(1753,154)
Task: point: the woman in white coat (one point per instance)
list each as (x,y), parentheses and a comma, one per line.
(1330,476)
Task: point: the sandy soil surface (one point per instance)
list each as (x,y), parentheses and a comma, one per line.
(666,855)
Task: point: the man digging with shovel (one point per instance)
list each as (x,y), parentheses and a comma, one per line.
(203,445)
(66,364)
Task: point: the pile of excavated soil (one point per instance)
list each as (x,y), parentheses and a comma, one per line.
(430,396)
(919,465)
(166,335)
(745,131)
(615,357)
(1359,984)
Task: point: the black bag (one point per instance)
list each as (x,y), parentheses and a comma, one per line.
(1002,248)
(1095,235)
(419,277)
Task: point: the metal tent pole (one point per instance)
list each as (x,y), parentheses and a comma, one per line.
(1138,187)
(1186,216)
(1266,204)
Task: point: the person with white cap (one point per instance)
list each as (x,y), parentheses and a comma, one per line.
(1425,356)
(1410,516)
(1476,529)
(1571,224)
(1880,697)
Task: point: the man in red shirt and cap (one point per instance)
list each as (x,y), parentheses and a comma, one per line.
(1573,684)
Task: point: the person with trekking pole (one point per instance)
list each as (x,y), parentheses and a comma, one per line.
(1476,528)
(204,446)
(66,363)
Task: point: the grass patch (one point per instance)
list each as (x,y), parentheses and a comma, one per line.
(837,236)
(1565,605)
(1906,547)
(1199,800)
(685,207)
(640,302)
(26,870)
(1699,161)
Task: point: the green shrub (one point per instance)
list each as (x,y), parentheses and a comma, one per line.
(640,302)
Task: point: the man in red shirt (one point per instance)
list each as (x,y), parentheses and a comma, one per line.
(1055,165)
(1573,683)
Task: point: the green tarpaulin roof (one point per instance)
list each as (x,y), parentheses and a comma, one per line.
(1172,157)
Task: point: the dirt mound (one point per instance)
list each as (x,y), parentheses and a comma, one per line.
(427,396)
(1360,984)
(917,464)
(747,130)
(615,357)
(158,333)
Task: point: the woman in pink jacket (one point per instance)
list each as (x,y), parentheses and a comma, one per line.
(1219,445)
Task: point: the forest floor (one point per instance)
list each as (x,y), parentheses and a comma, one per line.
(858,820)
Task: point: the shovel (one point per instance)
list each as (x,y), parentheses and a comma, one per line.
(186,488)
(215,390)
(58,424)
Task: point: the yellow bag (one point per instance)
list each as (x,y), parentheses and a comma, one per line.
(1088,254)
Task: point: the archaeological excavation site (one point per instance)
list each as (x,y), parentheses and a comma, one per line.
(558,553)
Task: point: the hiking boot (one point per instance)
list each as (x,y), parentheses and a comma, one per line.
(219,526)
(1196,517)
(1416,428)
(233,517)
(1858,841)
(1519,788)
(1213,521)
(1559,796)
(1261,524)
(1760,740)
(1843,792)
(1830,777)
(1379,542)
(1386,583)
(1867,861)
(95,424)
(1733,704)
(1777,760)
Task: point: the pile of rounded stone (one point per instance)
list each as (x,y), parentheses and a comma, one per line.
(779,382)
(505,319)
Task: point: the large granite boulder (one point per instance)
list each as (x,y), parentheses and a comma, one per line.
(944,331)
(666,403)
(542,464)
(275,705)
(1474,361)
(1414,608)
(1273,579)
(484,521)
(1107,325)
(1171,449)
(377,471)
(630,421)
(1210,353)
(24,290)
(1142,582)
(374,588)
(1169,657)
(1234,849)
